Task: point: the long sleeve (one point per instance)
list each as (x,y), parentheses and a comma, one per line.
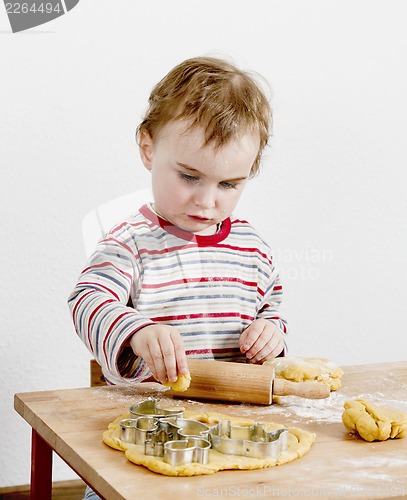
(210,288)
(270,304)
(99,308)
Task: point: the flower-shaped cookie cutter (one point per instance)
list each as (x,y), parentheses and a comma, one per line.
(249,441)
(178,440)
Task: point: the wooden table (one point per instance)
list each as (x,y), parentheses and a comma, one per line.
(339,465)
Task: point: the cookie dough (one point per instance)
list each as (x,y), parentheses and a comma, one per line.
(181,384)
(374,423)
(299,443)
(300,369)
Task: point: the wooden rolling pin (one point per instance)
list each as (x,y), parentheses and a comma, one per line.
(244,383)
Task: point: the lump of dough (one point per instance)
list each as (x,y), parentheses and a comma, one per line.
(301,369)
(374,423)
(181,384)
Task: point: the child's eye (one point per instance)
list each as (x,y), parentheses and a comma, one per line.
(187,177)
(228,185)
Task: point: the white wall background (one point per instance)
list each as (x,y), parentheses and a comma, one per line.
(331,199)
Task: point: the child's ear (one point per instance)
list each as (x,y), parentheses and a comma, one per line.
(146,149)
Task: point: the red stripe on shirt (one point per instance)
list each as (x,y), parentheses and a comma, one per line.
(126,313)
(80,300)
(107,264)
(92,315)
(99,285)
(120,243)
(200,280)
(202,315)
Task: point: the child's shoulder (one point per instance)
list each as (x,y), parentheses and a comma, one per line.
(244,230)
(134,224)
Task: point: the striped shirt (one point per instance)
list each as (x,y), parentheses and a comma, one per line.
(147,271)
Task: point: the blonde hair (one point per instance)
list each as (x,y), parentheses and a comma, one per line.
(214,94)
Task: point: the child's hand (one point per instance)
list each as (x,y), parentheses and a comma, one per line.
(261,341)
(162,348)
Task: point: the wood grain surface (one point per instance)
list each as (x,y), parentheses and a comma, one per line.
(339,464)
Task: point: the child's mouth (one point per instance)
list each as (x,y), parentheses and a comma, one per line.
(198,219)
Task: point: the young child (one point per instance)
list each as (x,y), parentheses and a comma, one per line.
(182,277)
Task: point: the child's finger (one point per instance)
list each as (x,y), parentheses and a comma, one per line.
(168,358)
(155,362)
(148,359)
(242,341)
(249,337)
(270,350)
(256,348)
(170,368)
(250,344)
(180,356)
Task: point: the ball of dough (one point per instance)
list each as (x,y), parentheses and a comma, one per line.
(301,369)
(374,423)
(181,384)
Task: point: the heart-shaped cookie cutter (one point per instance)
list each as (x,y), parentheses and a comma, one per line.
(249,441)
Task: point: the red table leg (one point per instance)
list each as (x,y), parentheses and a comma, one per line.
(41,468)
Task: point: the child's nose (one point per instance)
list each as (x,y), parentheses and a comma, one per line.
(204,198)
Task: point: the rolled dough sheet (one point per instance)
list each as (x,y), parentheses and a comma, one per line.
(299,443)
(299,369)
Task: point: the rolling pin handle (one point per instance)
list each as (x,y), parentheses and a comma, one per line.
(310,390)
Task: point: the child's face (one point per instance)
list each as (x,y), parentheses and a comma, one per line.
(196,187)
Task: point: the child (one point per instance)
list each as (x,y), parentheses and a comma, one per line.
(182,277)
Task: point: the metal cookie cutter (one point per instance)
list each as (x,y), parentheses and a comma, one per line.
(173,429)
(253,441)
(185,451)
(145,429)
(143,422)
(135,430)
(150,407)
(178,440)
